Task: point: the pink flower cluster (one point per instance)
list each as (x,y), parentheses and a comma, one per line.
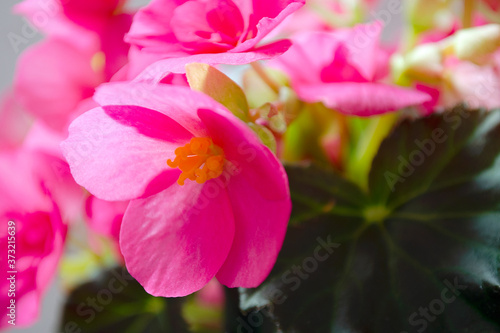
(101,125)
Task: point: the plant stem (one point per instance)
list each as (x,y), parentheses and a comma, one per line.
(367,147)
(264,77)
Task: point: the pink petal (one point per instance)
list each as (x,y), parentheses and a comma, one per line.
(260,227)
(161,68)
(175,242)
(116,152)
(362,99)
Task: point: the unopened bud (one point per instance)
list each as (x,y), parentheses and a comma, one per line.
(474,43)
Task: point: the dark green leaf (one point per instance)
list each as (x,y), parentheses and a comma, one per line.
(116,302)
(420,252)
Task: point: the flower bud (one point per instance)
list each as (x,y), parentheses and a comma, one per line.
(474,43)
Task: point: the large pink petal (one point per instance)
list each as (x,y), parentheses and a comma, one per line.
(362,99)
(175,242)
(161,68)
(260,227)
(120,152)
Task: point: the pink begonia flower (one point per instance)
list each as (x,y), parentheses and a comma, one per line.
(224,215)
(54,76)
(208,31)
(344,70)
(39,232)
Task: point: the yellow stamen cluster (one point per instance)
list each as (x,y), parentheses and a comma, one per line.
(199,160)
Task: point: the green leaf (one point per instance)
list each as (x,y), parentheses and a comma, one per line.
(419,255)
(116,302)
(214,83)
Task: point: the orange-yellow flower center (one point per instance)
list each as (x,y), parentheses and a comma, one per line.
(199,160)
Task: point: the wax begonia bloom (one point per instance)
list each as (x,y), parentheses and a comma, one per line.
(345,69)
(227,220)
(39,232)
(209,31)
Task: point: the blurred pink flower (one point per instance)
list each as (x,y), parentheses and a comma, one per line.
(209,31)
(228,219)
(345,69)
(25,183)
(55,75)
